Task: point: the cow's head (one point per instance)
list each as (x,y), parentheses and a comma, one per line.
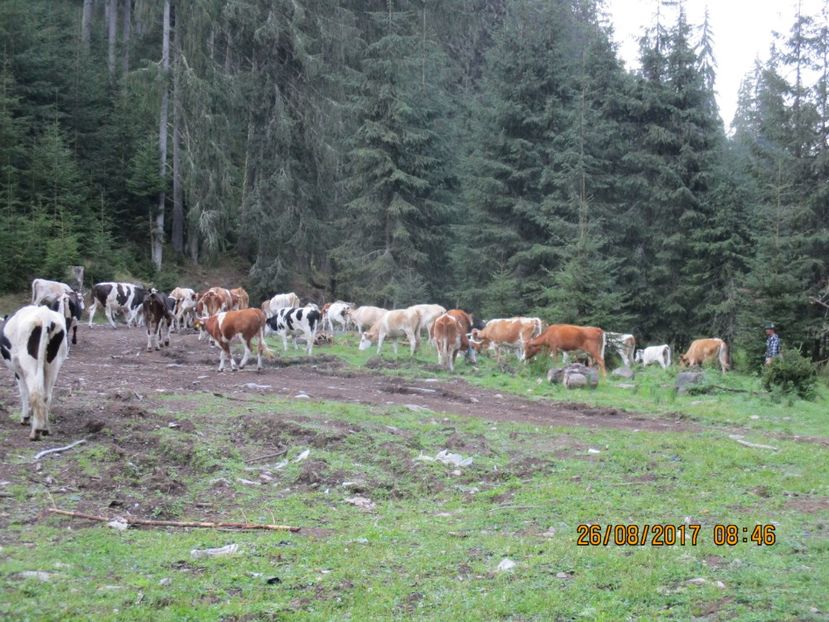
(639,356)
(365,341)
(198,323)
(476,342)
(683,361)
(531,348)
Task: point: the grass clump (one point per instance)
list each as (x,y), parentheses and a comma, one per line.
(791,374)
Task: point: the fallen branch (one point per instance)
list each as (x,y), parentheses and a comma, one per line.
(281,452)
(737,439)
(174,523)
(56,450)
(722,388)
(818,302)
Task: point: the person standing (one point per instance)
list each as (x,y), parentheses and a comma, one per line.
(772,343)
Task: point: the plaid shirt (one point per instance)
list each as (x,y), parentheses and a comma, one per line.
(772,346)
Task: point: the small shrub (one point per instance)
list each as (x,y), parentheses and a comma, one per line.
(791,374)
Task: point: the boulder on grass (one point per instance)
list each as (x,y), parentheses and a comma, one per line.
(574,376)
(623,372)
(687,379)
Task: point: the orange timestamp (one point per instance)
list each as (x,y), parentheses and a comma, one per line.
(660,534)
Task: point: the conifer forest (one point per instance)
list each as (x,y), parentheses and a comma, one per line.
(492,155)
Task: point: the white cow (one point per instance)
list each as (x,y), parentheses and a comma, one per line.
(47,292)
(33,346)
(185,310)
(427,315)
(654,354)
(280,301)
(624,344)
(394,324)
(366,316)
(336,311)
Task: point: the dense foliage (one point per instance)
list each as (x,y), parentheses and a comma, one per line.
(481,153)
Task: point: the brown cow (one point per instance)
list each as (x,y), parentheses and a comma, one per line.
(704,350)
(224,326)
(239,299)
(567,337)
(158,319)
(446,333)
(510,332)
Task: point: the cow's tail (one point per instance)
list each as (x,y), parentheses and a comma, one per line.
(604,343)
(538,328)
(724,357)
(667,356)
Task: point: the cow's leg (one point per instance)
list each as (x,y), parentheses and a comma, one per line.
(224,349)
(23,389)
(246,355)
(92,311)
(108,313)
(285,341)
(309,337)
(149,339)
(380,337)
(412,335)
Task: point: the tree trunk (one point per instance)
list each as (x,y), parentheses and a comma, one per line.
(157,238)
(178,203)
(112,35)
(125,33)
(86,24)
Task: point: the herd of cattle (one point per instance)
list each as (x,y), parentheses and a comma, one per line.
(34,341)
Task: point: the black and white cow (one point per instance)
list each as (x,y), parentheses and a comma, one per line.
(117,297)
(33,346)
(295,321)
(71,307)
(158,318)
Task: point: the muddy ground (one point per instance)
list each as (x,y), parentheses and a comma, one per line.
(111,392)
(113,365)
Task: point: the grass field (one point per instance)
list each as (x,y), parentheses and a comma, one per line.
(429,544)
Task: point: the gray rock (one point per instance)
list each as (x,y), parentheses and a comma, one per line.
(623,372)
(686,379)
(573,376)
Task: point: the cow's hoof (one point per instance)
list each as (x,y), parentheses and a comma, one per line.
(44,432)
(34,436)
(157,348)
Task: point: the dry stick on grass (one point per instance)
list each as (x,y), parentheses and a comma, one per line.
(737,439)
(46,452)
(281,452)
(174,523)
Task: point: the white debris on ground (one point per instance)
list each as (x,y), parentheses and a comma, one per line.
(445,457)
(230,549)
(506,564)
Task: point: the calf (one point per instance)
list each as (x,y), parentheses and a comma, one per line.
(508,332)
(224,326)
(33,346)
(704,350)
(366,316)
(185,306)
(395,324)
(239,299)
(117,297)
(566,338)
(624,344)
(280,301)
(466,322)
(158,319)
(70,306)
(295,321)
(654,354)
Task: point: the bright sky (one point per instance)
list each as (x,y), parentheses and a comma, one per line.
(742,33)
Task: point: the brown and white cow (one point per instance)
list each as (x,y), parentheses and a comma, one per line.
(339,312)
(239,299)
(436,335)
(512,332)
(366,316)
(158,320)
(567,338)
(395,324)
(448,336)
(704,350)
(33,347)
(47,292)
(213,301)
(224,326)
